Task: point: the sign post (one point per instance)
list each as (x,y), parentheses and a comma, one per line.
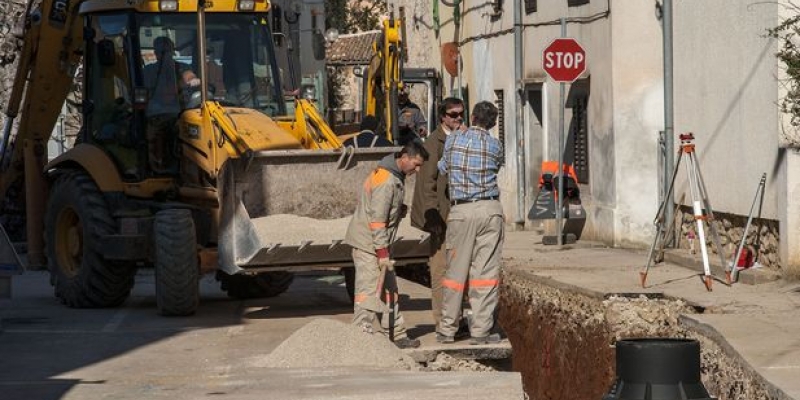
(564,60)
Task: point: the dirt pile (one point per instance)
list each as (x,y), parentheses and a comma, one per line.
(641,316)
(324,343)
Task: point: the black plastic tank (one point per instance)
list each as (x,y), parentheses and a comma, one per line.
(658,369)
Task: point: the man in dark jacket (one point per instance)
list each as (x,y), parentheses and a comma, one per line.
(431,202)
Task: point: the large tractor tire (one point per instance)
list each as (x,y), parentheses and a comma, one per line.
(77,217)
(176,263)
(265,284)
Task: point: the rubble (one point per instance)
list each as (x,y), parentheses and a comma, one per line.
(446,362)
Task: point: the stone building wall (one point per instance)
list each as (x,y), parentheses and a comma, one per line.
(10,13)
(731,227)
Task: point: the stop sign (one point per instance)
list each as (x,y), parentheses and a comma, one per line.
(564,60)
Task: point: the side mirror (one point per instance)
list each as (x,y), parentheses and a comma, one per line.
(106,53)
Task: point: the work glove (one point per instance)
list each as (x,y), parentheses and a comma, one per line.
(383,259)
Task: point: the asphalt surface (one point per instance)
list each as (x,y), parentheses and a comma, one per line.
(49,351)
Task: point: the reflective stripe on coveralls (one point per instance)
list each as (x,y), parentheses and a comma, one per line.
(474,244)
(367,302)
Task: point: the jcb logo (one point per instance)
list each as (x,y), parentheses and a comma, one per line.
(58,14)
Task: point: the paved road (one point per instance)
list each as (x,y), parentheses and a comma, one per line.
(48,351)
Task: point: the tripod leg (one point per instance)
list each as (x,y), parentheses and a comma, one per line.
(697,207)
(733,273)
(757,245)
(712,222)
(643,273)
(659,222)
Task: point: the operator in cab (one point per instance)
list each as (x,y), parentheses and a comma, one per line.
(168,82)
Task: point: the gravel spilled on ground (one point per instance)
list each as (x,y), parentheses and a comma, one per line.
(445,362)
(324,343)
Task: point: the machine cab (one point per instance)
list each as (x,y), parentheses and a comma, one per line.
(142,71)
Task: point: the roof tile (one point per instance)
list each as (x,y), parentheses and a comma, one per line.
(352,49)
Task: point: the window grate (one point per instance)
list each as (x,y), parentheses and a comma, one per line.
(530,6)
(501,116)
(580,137)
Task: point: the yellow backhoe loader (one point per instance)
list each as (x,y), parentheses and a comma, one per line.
(191,166)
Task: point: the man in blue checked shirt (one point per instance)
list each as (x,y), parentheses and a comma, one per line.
(471,160)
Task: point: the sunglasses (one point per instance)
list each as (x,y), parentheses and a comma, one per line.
(455,114)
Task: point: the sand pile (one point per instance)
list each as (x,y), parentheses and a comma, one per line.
(324,343)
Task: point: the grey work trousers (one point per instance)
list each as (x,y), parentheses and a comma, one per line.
(369,301)
(474,252)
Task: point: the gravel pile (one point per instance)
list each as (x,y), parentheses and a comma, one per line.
(289,229)
(445,362)
(324,343)
(644,317)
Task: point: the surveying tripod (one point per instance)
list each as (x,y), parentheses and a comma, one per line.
(701,209)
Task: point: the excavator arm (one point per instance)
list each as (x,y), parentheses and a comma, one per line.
(383,77)
(52,36)
(311,128)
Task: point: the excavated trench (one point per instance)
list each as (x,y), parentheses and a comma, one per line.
(563,339)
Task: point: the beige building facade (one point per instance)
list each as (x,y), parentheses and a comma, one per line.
(726,91)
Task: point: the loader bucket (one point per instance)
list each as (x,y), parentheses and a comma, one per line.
(290,209)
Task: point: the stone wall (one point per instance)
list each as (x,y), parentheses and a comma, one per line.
(731,227)
(10,13)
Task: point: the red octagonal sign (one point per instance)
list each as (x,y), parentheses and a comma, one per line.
(564,60)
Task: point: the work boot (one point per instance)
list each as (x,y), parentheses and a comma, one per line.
(406,343)
(488,339)
(441,338)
